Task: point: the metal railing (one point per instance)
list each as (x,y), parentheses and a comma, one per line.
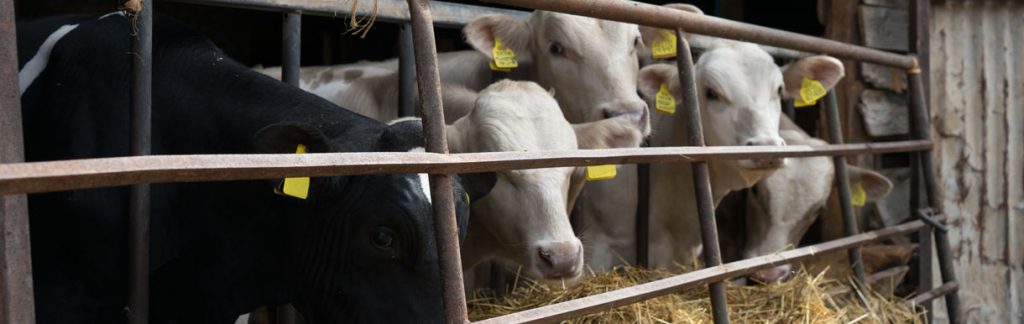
(18,178)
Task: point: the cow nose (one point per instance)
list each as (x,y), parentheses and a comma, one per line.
(765,141)
(637,111)
(559,260)
(771,275)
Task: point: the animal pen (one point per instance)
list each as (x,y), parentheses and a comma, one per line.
(418,49)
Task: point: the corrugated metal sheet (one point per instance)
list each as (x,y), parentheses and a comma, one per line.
(977,95)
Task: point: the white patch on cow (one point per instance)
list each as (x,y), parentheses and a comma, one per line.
(242,319)
(424,180)
(118,13)
(402,120)
(37,64)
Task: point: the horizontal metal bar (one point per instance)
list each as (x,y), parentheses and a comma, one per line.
(928,216)
(35,177)
(449,15)
(592,304)
(943,290)
(658,16)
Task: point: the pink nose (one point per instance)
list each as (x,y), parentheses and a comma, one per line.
(558,260)
(771,275)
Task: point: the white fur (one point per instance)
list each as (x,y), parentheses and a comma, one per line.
(37,64)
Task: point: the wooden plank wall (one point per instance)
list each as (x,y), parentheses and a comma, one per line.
(977,96)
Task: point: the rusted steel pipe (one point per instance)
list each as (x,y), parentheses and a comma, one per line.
(445,225)
(643,215)
(596,303)
(918,44)
(16,295)
(843,185)
(926,297)
(701,179)
(34,177)
(291,47)
(919,127)
(657,16)
(406,73)
(140,116)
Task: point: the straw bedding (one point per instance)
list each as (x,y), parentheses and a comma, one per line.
(804,298)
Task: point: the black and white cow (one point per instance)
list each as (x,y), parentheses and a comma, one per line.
(360,249)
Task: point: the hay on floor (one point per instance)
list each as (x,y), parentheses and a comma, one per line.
(801,299)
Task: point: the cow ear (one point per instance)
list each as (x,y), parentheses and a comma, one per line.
(514,34)
(285,137)
(876,185)
(824,69)
(651,78)
(615,132)
(478,185)
(649,34)
(576,182)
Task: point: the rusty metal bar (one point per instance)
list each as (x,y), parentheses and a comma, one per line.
(926,215)
(49,176)
(919,126)
(843,184)
(701,179)
(926,297)
(445,226)
(140,117)
(291,61)
(643,214)
(657,16)
(406,73)
(17,304)
(918,39)
(596,303)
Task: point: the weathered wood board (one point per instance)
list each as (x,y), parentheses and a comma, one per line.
(885,113)
(884,77)
(884,28)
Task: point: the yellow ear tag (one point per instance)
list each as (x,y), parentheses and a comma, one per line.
(504,57)
(664,46)
(295,187)
(810,91)
(858,197)
(664,101)
(467,198)
(496,68)
(600,172)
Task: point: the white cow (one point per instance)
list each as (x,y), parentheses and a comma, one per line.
(524,218)
(739,89)
(590,64)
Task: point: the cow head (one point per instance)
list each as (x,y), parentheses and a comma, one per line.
(739,89)
(363,247)
(591,64)
(525,217)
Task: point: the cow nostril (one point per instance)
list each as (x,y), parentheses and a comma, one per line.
(545,257)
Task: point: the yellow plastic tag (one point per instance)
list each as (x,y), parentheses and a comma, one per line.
(600,172)
(504,57)
(295,187)
(664,46)
(858,197)
(810,91)
(496,68)
(664,101)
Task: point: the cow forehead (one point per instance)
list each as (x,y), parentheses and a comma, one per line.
(742,70)
(584,32)
(527,119)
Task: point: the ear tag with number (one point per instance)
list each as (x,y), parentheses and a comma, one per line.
(664,46)
(810,91)
(504,57)
(600,172)
(295,187)
(664,101)
(858,197)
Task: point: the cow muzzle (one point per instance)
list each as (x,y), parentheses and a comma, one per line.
(636,111)
(771,275)
(559,260)
(764,163)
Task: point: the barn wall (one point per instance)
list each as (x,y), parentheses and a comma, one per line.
(977,97)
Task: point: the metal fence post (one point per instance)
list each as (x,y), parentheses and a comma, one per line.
(850,227)
(16,294)
(445,227)
(291,62)
(918,43)
(141,131)
(643,215)
(701,179)
(406,73)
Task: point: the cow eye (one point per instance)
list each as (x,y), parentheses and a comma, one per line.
(780,91)
(383,238)
(711,94)
(636,42)
(556,49)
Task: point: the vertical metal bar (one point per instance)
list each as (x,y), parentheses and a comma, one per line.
(701,179)
(406,73)
(918,39)
(140,133)
(445,227)
(843,185)
(16,295)
(643,215)
(291,47)
(291,62)
(919,126)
